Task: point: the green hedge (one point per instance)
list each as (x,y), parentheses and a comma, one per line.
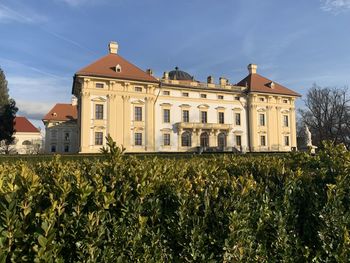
(291,208)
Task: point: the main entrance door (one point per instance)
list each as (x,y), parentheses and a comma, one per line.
(204,139)
(221,141)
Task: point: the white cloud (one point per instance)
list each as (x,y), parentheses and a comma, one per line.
(335,6)
(33,109)
(75,3)
(8,15)
(35,96)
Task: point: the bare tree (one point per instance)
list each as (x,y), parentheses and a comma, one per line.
(327,115)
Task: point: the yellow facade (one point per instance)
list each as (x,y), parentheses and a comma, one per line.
(132,111)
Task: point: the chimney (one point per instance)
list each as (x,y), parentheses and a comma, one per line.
(113,47)
(252,68)
(149,71)
(223,81)
(210,80)
(74,101)
(165,75)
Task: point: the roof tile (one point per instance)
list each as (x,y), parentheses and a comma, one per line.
(104,67)
(22,124)
(62,112)
(257,83)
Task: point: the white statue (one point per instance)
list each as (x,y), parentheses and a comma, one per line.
(308,136)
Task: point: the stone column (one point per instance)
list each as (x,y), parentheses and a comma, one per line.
(270,127)
(279,128)
(213,140)
(179,133)
(230,138)
(293,133)
(127,122)
(111,114)
(149,127)
(253,128)
(85,120)
(197,141)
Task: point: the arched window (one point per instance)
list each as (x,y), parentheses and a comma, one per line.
(222,141)
(186,139)
(204,139)
(26,142)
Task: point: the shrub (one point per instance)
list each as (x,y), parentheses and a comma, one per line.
(228,208)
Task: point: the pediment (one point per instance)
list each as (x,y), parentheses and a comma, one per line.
(203,106)
(138,102)
(99,99)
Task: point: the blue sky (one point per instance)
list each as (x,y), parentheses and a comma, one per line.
(296,43)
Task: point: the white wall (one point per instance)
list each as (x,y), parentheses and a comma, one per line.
(176,100)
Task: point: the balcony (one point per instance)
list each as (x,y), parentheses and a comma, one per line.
(202,126)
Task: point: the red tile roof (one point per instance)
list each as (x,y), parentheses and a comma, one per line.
(21,124)
(257,83)
(62,112)
(104,67)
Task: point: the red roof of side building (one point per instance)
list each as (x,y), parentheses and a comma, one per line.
(105,67)
(62,112)
(22,124)
(257,83)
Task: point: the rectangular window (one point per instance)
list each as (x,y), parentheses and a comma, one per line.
(99,111)
(204,117)
(221,118)
(203,96)
(53,134)
(185,116)
(166,115)
(138,89)
(184,94)
(286,140)
(237,98)
(285,101)
(238,140)
(261,99)
(138,114)
(99,85)
(238,119)
(98,138)
(285,121)
(262,140)
(138,138)
(166,139)
(262,119)
(220,97)
(166,92)
(66,136)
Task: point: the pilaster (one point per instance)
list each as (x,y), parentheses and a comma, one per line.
(127,121)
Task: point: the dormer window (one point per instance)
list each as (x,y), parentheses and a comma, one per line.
(54,114)
(271,84)
(118,68)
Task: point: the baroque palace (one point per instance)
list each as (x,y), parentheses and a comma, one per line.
(174,113)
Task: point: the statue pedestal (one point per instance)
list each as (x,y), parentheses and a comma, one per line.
(311,149)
